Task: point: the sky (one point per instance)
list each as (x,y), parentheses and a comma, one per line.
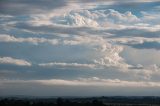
(80,47)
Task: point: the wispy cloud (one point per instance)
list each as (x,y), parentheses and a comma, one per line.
(68,65)
(33,40)
(14,61)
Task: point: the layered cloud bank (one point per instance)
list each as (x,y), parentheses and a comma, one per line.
(94,81)
(102,44)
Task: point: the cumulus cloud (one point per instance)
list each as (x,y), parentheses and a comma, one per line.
(109,19)
(110,57)
(14,61)
(109,54)
(105,18)
(101,18)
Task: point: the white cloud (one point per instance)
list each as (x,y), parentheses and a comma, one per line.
(95,81)
(80,40)
(134,40)
(5,16)
(10,60)
(111,58)
(108,19)
(108,53)
(34,40)
(97,18)
(84,39)
(67,65)
(149,71)
(107,49)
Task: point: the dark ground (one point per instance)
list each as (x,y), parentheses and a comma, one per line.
(80,101)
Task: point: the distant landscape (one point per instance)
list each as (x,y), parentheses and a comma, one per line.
(81,101)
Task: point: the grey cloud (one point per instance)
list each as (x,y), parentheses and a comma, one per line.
(135,6)
(139,66)
(133,32)
(50,29)
(41,90)
(16,87)
(111,33)
(22,7)
(36,72)
(147,45)
(119,1)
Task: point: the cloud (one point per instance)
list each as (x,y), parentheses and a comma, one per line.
(147,72)
(151,70)
(10,60)
(67,65)
(94,81)
(147,45)
(97,18)
(78,22)
(39,6)
(33,40)
(139,42)
(29,7)
(96,36)
(108,19)
(109,54)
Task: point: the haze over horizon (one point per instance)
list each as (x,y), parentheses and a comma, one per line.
(80,47)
